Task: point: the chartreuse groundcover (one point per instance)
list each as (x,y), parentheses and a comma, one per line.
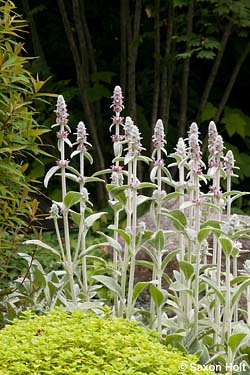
(70,343)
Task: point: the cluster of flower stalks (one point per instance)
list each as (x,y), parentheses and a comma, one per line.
(198,309)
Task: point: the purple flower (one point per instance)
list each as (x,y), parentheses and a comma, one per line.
(181,148)
(212,135)
(133,136)
(159,163)
(117,137)
(62,134)
(216,191)
(229,163)
(62,163)
(117,104)
(158,137)
(117,120)
(61,111)
(81,137)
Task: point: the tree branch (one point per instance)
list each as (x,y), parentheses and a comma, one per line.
(231,82)
(185,73)
(167,71)
(214,70)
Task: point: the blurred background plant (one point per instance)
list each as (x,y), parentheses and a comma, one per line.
(20,142)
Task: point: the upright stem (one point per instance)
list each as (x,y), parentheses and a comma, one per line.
(116,237)
(227,313)
(58,235)
(248,305)
(183,295)
(66,222)
(159,252)
(235,259)
(133,241)
(198,255)
(126,249)
(217,259)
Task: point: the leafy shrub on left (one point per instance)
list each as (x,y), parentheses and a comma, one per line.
(19,139)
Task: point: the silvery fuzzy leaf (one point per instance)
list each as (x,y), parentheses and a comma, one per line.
(72,198)
(110,283)
(117,149)
(72,177)
(66,140)
(145,159)
(93,179)
(89,221)
(41,244)
(142,199)
(89,157)
(128,159)
(74,153)
(153,173)
(50,173)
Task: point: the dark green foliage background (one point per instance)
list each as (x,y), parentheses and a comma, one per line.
(210,18)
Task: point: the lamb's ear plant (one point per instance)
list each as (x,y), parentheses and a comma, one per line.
(73,260)
(158,175)
(203,296)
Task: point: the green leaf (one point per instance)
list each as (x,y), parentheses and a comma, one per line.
(145,159)
(227,245)
(88,157)
(159,240)
(239,279)
(175,340)
(123,234)
(212,223)
(138,288)
(144,185)
(76,217)
(235,340)
(236,295)
(156,294)
(215,289)
(145,263)
(235,122)
(91,219)
(205,54)
(112,242)
(173,195)
(168,258)
(71,198)
(187,269)
(110,283)
(204,232)
(178,218)
(93,179)
(43,245)
(93,247)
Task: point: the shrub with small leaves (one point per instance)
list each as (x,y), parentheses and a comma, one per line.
(77,343)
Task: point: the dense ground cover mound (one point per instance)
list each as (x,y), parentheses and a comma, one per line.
(79,343)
